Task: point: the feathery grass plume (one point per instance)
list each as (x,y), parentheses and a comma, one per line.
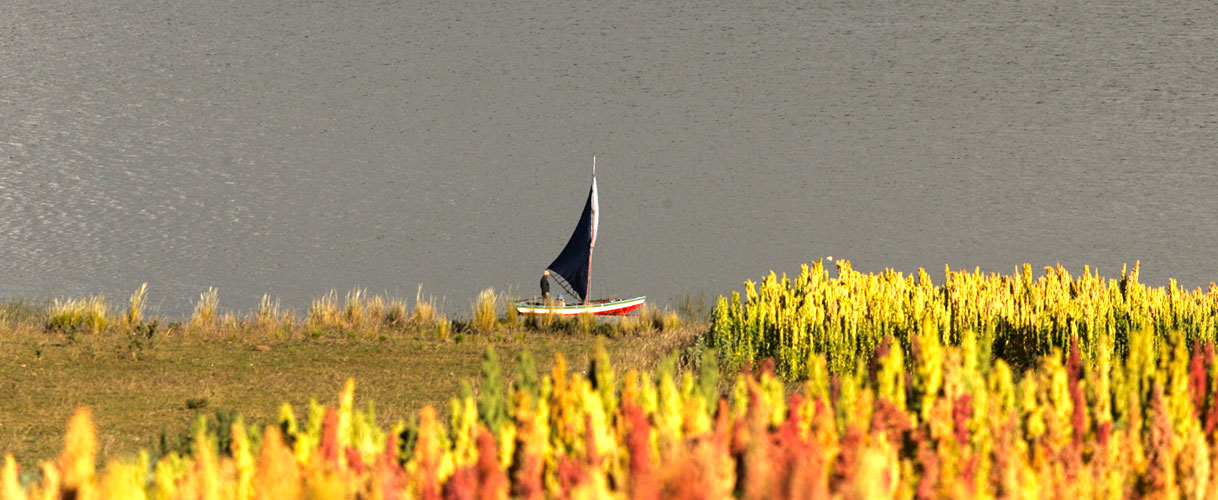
(354,308)
(530,322)
(324,312)
(22,312)
(667,321)
(484,311)
(647,317)
(424,310)
(269,316)
(441,327)
(205,313)
(650,318)
(630,324)
(229,321)
(374,309)
(585,323)
(511,317)
(76,315)
(396,315)
(545,321)
(135,311)
(693,308)
(534,321)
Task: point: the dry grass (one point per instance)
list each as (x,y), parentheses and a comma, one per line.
(135,309)
(253,368)
(442,328)
(324,312)
(424,309)
(76,315)
(396,316)
(354,310)
(374,309)
(365,315)
(511,317)
(143,376)
(586,323)
(206,309)
(668,320)
(650,318)
(270,318)
(484,314)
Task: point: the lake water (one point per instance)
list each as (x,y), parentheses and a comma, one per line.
(290,148)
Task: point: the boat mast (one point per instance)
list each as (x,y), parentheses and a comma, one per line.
(592,240)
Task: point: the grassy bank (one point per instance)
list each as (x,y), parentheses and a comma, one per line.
(144,377)
(987,386)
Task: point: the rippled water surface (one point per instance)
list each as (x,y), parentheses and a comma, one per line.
(290,148)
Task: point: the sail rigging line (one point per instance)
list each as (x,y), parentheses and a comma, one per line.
(564,284)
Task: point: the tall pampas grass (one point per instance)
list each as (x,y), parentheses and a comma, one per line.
(374,311)
(206,309)
(511,317)
(440,326)
(76,315)
(270,317)
(424,310)
(135,309)
(396,315)
(585,323)
(484,314)
(324,312)
(355,308)
(631,323)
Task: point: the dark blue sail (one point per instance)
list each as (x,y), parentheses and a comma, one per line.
(573,266)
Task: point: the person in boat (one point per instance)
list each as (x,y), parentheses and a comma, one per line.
(545,285)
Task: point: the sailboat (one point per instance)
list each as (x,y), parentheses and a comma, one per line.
(572,270)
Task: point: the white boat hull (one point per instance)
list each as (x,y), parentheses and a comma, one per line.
(597,307)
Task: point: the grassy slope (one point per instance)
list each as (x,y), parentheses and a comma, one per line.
(138,393)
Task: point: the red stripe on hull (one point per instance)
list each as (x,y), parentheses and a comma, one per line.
(619,312)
